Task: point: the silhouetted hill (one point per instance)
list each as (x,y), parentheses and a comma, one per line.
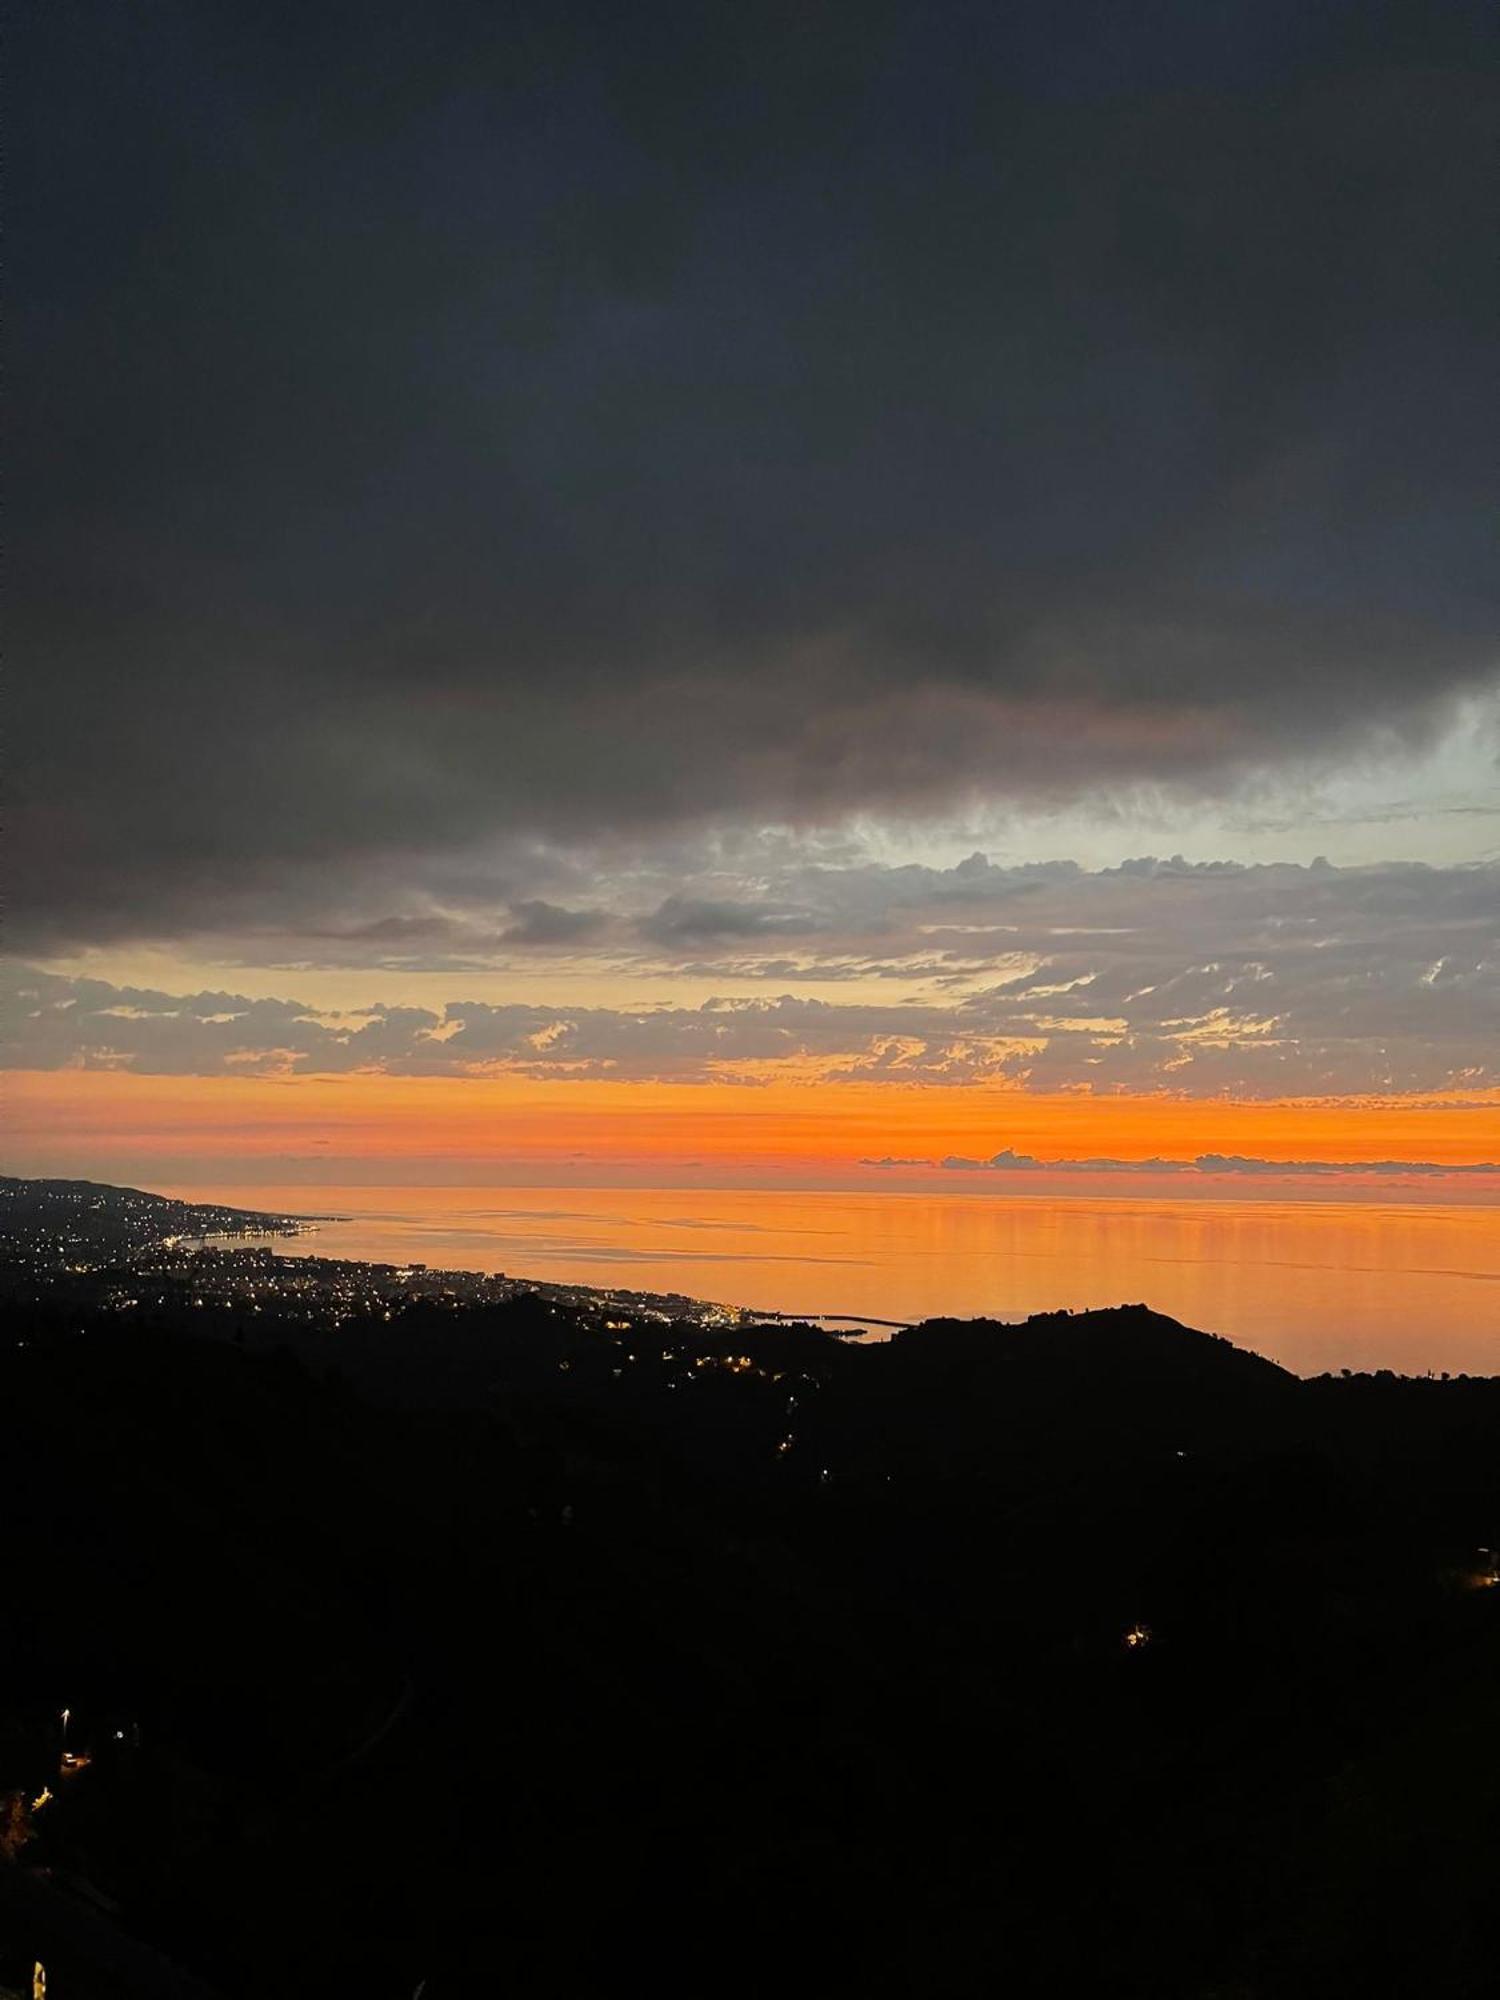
(1118,1347)
(1126,1374)
(521,1647)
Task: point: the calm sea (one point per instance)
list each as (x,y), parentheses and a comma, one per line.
(1314,1285)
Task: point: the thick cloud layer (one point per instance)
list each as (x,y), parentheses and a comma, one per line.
(1159,976)
(448,428)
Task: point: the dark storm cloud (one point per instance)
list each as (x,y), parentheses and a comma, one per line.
(550,926)
(447,428)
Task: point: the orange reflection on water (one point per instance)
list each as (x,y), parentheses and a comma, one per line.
(1315,1285)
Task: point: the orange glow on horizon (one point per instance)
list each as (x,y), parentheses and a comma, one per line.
(61,1120)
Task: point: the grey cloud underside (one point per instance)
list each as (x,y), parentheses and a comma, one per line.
(446,430)
(1207,979)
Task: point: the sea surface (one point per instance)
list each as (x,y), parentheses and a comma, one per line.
(1316,1285)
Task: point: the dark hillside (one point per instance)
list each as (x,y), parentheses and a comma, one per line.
(504,1646)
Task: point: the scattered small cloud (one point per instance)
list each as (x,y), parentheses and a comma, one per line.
(1007,1161)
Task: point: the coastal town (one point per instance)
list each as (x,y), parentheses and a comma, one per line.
(125,1251)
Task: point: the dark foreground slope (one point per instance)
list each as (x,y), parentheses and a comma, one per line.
(518,1652)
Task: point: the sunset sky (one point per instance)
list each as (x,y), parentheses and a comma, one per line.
(780,595)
